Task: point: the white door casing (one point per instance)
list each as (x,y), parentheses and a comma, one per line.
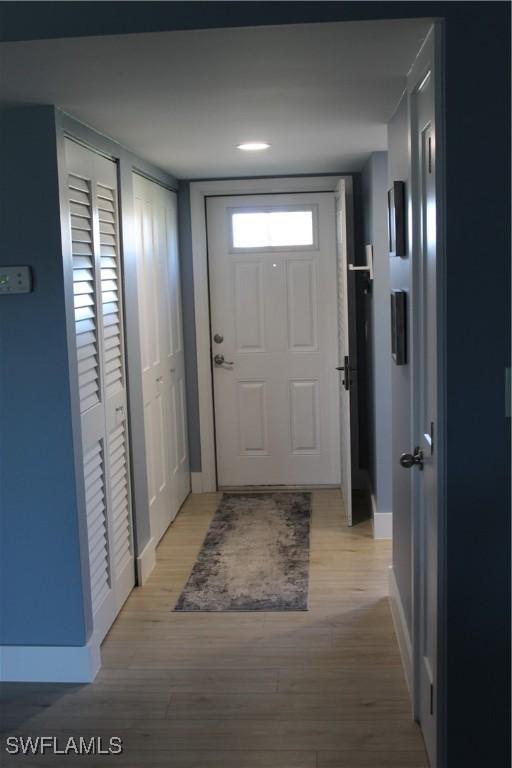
(343,349)
(276,405)
(162,357)
(99,333)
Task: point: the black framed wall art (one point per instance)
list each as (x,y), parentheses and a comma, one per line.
(396,219)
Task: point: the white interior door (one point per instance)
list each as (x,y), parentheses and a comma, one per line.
(272,267)
(343,349)
(424,458)
(99,327)
(427,417)
(163,364)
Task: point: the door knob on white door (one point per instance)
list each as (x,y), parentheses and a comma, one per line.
(219,360)
(408,460)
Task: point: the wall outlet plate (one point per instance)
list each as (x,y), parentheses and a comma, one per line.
(15,280)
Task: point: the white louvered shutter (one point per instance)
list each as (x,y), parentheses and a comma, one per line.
(99,559)
(84,279)
(121,528)
(110,290)
(114,380)
(97,288)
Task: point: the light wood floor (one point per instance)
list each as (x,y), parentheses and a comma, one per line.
(318,689)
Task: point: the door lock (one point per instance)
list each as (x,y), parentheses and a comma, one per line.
(346,381)
(408,460)
(219,360)
(218,338)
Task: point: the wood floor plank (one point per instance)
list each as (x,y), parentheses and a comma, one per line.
(348,759)
(179,759)
(286,706)
(322,688)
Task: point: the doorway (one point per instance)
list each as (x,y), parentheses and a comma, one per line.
(294,188)
(273,305)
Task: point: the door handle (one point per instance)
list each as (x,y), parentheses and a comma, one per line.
(219,360)
(408,460)
(346,368)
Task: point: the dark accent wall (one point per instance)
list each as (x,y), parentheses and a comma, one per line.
(189,325)
(477,533)
(41,593)
(360,414)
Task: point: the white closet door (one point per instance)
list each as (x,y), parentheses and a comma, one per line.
(92,188)
(163,370)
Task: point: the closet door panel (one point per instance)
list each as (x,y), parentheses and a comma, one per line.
(114,379)
(97,296)
(88,333)
(162,351)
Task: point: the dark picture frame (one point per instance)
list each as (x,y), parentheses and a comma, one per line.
(396,219)
(399,327)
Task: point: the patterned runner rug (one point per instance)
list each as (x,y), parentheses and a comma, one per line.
(255,556)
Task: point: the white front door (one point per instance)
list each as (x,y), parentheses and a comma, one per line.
(163,365)
(273,295)
(425,417)
(343,349)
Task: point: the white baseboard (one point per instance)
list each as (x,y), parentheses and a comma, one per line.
(49,664)
(382,522)
(196,479)
(401,629)
(146,562)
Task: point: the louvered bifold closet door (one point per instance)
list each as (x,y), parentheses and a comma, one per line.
(114,381)
(92,195)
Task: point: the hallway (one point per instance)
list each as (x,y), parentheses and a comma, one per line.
(319,689)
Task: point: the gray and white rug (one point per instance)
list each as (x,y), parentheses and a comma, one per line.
(255,556)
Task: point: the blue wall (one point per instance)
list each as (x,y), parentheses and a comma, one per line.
(41,600)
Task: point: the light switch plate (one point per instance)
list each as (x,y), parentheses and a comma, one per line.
(15,280)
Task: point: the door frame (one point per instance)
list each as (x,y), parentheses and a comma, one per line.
(206,480)
(429,58)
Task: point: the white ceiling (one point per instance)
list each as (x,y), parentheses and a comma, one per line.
(321,94)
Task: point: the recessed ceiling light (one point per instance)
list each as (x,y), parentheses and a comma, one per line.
(253,146)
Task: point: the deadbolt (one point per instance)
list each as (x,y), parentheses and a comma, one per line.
(408,460)
(218,338)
